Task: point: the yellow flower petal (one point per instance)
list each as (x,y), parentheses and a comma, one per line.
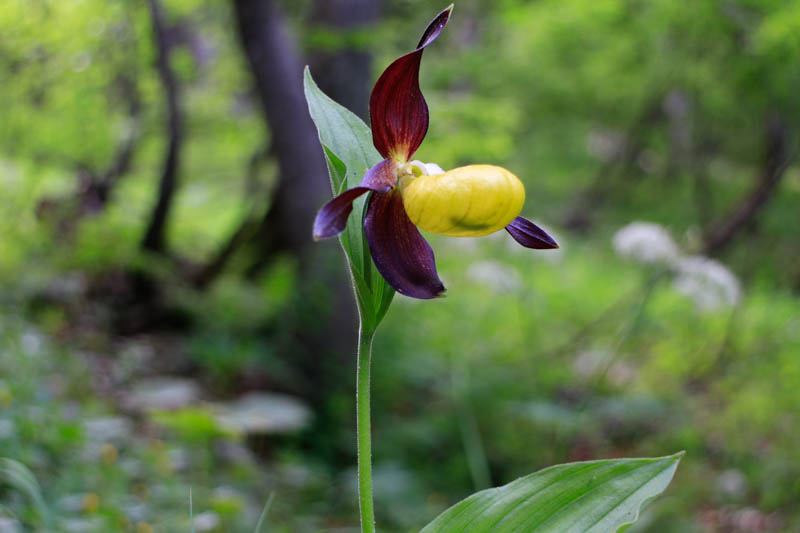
(469,201)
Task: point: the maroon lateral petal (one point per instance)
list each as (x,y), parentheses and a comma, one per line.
(403,257)
(397,110)
(332,217)
(530,235)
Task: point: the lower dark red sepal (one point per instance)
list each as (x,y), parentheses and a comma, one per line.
(401,254)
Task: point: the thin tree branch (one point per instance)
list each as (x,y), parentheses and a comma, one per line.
(776,160)
(96,190)
(154,237)
(582,213)
(246,230)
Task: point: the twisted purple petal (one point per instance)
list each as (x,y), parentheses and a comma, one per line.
(530,235)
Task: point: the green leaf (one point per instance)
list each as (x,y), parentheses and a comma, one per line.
(18,476)
(590,497)
(342,132)
(349,153)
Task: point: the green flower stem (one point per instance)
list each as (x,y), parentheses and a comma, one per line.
(363,430)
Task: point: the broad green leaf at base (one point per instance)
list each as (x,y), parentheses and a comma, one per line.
(589,497)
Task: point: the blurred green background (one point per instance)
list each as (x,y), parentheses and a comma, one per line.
(166,323)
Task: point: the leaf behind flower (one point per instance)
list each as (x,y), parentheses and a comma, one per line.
(349,153)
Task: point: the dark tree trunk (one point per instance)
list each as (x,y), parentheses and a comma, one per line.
(343,72)
(776,160)
(319,326)
(154,236)
(277,71)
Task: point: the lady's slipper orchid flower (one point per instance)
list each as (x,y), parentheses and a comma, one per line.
(469,201)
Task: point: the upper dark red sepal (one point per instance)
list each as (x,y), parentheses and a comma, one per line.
(401,254)
(397,109)
(332,217)
(530,235)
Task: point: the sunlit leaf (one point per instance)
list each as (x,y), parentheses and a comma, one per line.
(592,497)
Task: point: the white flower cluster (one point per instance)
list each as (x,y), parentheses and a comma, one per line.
(495,275)
(647,243)
(708,282)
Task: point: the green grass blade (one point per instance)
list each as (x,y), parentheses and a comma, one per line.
(264,513)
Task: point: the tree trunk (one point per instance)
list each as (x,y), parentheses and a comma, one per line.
(277,71)
(776,160)
(154,237)
(343,71)
(320,324)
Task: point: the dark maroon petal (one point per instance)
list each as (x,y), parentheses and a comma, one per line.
(381,177)
(397,109)
(530,235)
(403,257)
(332,217)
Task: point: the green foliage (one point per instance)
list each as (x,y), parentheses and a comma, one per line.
(595,497)
(551,366)
(193,425)
(19,477)
(347,143)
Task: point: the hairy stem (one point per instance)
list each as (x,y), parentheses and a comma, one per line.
(363,430)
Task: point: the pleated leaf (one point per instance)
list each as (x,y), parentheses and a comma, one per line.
(347,143)
(589,497)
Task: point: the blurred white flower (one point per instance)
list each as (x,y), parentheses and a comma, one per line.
(179,459)
(208,521)
(264,413)
(709,283)
(496,276)
(108,429)
(162,393)
(647,243)
(589,362)
(7,430)
(732,483)
(81,525)
(465,244)
(605,145)
(9,525)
